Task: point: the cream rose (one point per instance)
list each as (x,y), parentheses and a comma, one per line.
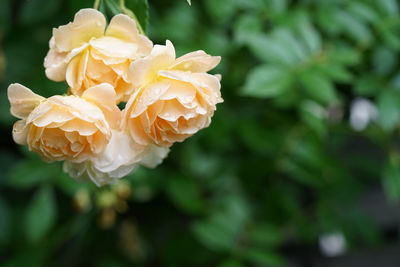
(121,157)
(64,127)
(174,98)
(85,54)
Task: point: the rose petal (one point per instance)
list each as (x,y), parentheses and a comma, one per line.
(55,63)
(20,132)
(88,23)
(76,71)
(53,116)
(75,170)
(22,100)
(144,71)
(82,127)
(146,97)
(105,59)
(120,151)
(122,70)
(154,156)
(115,48)
(172,110)
(78,107)
(124,28)
(137,132)
(103,95)
(197,61)
(184,92)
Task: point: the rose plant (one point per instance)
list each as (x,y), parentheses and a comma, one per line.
(169,99)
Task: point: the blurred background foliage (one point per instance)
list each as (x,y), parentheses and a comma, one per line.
(300,167)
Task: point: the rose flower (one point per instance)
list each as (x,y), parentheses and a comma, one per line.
(63,127)
(85,54)
(121,157)
(174,98)
(81,131)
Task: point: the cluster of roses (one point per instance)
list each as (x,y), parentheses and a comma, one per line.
(167,99)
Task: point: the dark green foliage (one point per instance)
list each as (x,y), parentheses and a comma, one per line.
(279,166)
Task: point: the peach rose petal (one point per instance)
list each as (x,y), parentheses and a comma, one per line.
(103,95)
(120,157)
(22,100)
(20,132)
(114,48)
(197,61)
(55,63)
(144,71)
(88,23)
(123,27)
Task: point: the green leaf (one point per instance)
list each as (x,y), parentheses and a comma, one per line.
(185,194)
(391,178)
(390,33)
(31,172)
(336,72)
(389,109)
(286,39)
(214,234)
(113,7)
(103,7)
(344,55)
(384,60)
(245,25)
(367,86)
(181,17)
(40,215)
(300,173)
(318,87)
(314,116)
(278,6)
(141,10)
(269,50)
(267,81)
(308,153)
(363,11)
(355,28)
(390,7)
(288,98)
(220,231)
(395,82)
(223,10)
(266,235)
(310,35)
(260,139)
(328,20)
(189,2)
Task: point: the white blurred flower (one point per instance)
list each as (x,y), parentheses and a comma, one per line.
(332,244)
(362,112)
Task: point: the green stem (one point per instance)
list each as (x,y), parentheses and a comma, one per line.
(129,12)
(96,4)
